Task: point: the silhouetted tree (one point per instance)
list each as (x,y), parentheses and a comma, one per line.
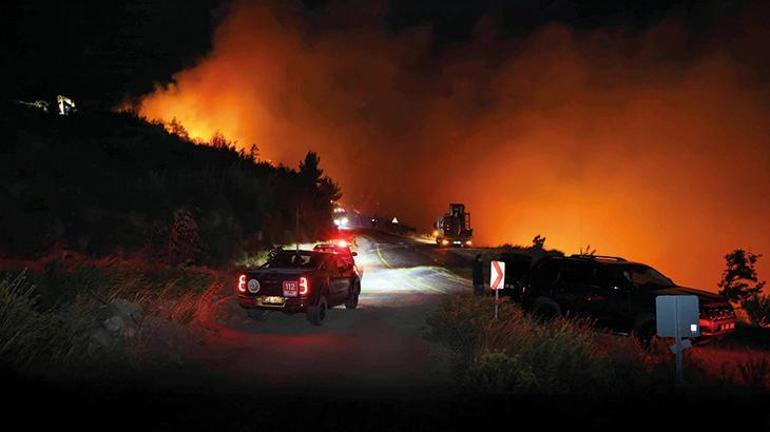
(309,169)
(739,280)
(176,128)
(253,153)
(330,189)
(219,140)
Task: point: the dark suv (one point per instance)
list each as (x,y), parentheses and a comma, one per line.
(618,294)
(517,266)
(300,281)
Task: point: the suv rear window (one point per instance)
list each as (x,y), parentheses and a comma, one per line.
(293,260)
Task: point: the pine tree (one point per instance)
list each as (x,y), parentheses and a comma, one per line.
(309,168)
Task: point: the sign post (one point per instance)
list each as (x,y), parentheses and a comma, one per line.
(496,280)
(678,317)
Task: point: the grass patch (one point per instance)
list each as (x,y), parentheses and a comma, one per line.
(515,354)
(64,279)
(28,336)
(86,314)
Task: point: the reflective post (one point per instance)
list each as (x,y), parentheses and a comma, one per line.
(497,301)
(678,347)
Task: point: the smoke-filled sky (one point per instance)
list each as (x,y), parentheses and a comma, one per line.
(652,143)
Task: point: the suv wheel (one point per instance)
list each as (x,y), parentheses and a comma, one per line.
(352,301)
(257,314)
(545,311)
(316,314)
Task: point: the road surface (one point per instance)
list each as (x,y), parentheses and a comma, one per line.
(379,348)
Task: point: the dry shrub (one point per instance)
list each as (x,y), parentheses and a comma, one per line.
(517,354)
(755,372)
(23,330)
(57,315)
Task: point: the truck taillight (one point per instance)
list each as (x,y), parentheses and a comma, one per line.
(304,286)
(242,283)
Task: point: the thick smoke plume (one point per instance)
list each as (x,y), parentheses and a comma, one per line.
(649,145)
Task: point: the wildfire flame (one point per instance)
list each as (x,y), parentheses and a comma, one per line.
(585,137)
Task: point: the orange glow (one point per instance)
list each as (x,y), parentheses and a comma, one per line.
(242,283)
(586,138)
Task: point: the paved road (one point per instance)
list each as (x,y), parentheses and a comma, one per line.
(376,349)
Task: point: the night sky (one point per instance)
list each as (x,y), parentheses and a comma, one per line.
(103,51)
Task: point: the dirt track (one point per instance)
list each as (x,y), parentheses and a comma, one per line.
(376,349)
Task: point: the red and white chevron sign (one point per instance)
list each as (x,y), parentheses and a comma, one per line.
(497,275)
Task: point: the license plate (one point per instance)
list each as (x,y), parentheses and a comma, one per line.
(273,300)
(290,288)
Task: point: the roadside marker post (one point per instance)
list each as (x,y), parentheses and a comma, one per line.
(678,317)
(497,280)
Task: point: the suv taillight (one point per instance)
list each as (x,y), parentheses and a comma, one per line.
(304,286)
(242,283)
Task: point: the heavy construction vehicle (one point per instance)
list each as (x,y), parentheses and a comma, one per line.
(454,228)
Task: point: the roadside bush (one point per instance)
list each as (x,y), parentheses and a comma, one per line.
(755,372)
(27,336)
(517,354)
(65,278)
(566,357)
(184,241)
(757,309)
(458,322)
(498,372)
(79,314)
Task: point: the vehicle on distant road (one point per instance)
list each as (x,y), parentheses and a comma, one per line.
(300,281)
(341,218)
(618,294)
(454,228)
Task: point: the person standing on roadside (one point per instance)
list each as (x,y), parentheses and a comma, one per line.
(478,276)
